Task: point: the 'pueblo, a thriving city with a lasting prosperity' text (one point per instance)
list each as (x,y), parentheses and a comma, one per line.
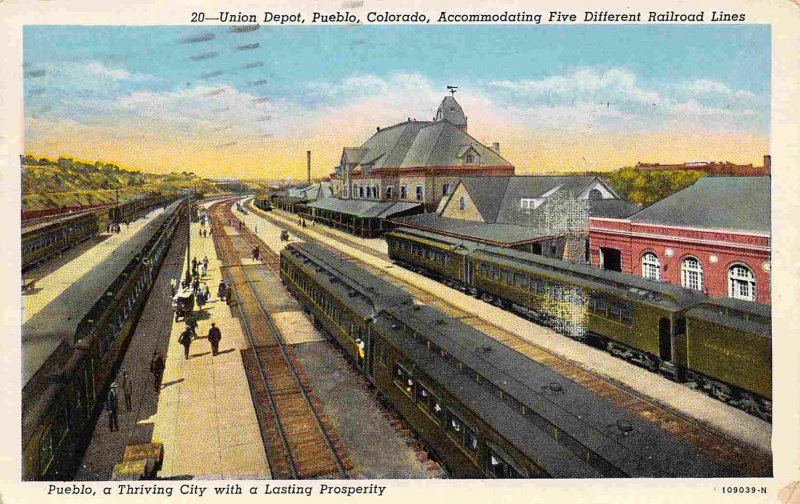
(267,252)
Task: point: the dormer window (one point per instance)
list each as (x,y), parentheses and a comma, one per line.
(470,159)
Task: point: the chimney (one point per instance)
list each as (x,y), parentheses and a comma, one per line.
(496,147)
(308,165)
(767,163)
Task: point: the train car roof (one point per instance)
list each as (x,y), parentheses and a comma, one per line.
(555,458)
(455,243)
(745,316)
(347,277)
(645,450)
(59,221)
(57,322)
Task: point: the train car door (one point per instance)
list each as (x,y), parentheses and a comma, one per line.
(370,355)
(665,339)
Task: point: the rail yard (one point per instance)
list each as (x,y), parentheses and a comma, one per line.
(339,361)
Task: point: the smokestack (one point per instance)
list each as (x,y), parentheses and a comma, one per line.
(496,147)
(308,165)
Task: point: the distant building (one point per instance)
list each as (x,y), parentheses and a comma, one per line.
(296,199)
(406,168)
(545,215)
(713,236)
(713,167)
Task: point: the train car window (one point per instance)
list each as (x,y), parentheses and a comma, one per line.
(423,396)
(436,409)
(470,440)
(454,427)
(499,468)
(523,280)
(403,379)
(495,272)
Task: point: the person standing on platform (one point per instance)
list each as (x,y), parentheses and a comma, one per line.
(185,339)
(173,286)
(112,406)
(127,390)
(214,337)
(221,290)
(228,295)
(196,285)
(157,369)
(191,324)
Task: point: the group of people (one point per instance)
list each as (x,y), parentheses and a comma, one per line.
(190,334)
(224,291)
(205,232)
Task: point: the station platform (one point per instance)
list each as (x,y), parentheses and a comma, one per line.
(205,417)
(377,244)
(57,274)
(705,410)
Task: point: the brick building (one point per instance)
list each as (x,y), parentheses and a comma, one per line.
(713,236)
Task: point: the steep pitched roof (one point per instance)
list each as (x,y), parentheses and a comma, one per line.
(420,143)
(737,203)
(486,193)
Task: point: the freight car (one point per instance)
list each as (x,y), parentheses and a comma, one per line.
(480,408)
(71,348)
(721,346)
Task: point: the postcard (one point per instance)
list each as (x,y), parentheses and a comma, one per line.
(361,250)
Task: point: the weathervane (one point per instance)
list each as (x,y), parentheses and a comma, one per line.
(452,89)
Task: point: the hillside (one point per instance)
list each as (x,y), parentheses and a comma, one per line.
(67,183)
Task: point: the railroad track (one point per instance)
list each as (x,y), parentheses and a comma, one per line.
(298,441)
(708,440)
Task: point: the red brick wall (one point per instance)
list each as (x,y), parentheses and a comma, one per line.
(634,240)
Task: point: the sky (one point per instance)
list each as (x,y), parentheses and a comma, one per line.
(222,103)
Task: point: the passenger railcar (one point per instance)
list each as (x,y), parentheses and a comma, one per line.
(41,241)
(71,349)
(481,409)
(642,321)
(263,203)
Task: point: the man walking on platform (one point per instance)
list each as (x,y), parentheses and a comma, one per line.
(185,339)
(214,336)
(157,369)
(127,390)
(112,405)
(173,286)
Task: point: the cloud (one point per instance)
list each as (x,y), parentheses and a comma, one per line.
(707,86)
(588,84)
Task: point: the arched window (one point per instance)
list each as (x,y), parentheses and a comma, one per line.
(741,283)
(651,267)
(692,274)
(462,203)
